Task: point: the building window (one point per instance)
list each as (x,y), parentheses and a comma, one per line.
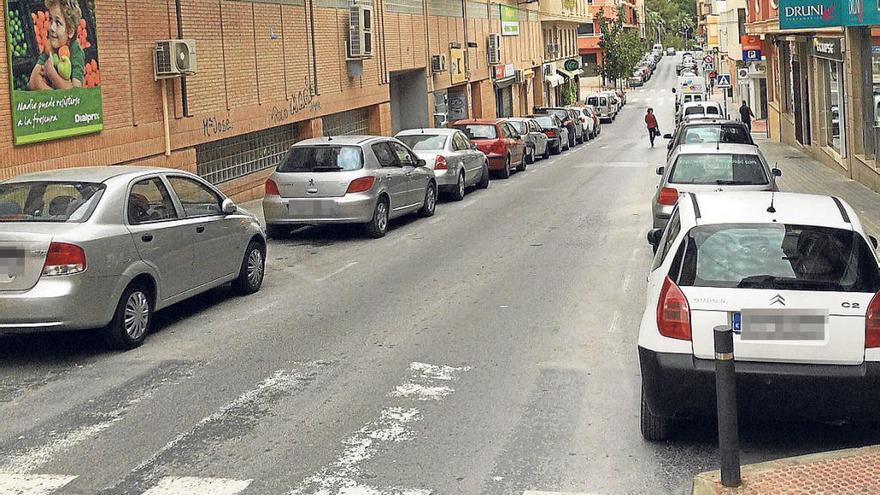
(586,29)
(238,156)
(786,89)
(834,111)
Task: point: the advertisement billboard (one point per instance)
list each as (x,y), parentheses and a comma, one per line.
(54,77)
(509,20)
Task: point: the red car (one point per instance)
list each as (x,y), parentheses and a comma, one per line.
(500,142)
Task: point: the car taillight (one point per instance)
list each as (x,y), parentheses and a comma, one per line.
(440,163)
(64,259)
(872,323)
(272,188)
(668,196)
(673,312)
(550,134)
(361,184)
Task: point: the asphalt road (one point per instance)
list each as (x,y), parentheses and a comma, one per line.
(490,349)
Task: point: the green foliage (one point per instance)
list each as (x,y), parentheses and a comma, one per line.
(621,48)
(569,95)
(669,21)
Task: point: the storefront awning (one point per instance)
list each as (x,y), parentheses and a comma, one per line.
(554,80)
(568,74)
(505,82)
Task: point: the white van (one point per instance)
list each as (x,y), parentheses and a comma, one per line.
(658,48)
(604,106)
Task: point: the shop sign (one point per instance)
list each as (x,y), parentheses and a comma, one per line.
(509,20)
(799,14)
(549,68)
(505,71)
(55,86)
(457,72)
(572,65)
(827,48)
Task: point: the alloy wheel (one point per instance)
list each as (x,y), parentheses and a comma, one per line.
(137,315)
(381,216)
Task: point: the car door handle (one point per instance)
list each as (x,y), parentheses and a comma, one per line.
(147,237)
(200,229)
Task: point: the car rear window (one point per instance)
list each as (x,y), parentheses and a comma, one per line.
(716,134)
(712,111)
(718,169)
(45,201)
(478,131)
(419,142)
(519,126)
(778,257)
(322,159)
(695,111)
(593,101)
(545,122)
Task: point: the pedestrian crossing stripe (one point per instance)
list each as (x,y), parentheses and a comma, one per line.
(32,484)
(198,486)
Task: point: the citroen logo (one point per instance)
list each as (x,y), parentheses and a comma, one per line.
(777,299)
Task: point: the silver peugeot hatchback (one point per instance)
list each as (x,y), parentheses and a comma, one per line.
(105,247)
(364,180)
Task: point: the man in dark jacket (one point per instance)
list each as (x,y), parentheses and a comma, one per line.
(746,115)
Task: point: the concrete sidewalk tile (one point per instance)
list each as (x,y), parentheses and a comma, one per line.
(848,471)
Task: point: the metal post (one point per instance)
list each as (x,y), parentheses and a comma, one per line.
(725,395)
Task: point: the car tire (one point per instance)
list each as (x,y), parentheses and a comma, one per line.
(484,178)
(505,172)
(458,192)
(275,231)
(136,302)
(252,271)
(654,428)
(547,151)
(429,206)
(378,225)
(523,163)
(530,157)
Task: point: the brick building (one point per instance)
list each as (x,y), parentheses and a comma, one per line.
(271,72)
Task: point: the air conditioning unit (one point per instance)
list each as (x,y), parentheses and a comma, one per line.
(520,76)
(438,63)
(493,49)
(174,58)
(360,31)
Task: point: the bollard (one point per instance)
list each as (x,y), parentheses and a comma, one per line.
(725,396)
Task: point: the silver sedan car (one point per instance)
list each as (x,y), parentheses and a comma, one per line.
(458,164)
(698,168)
(365,180)
(536,141)
(105,247)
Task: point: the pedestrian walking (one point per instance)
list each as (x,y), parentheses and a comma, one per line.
(653,128)
(746,115)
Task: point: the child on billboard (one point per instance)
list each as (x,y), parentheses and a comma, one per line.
(62,60)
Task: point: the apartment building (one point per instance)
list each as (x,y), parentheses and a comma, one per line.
(268,73)
(590,34)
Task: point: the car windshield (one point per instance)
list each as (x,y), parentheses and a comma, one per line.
(716,134)
(322,159)
(44,201)
(545,122)
(778,257)
(478,131)
(718,169)
(420,142)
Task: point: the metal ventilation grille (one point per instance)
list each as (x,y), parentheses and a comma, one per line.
(347,123)
(182,57)
(163,58)
(231,158)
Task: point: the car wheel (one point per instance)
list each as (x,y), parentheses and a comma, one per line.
(430,204)
(530,157)
(523,161)
(654,428)
(547,151)
(274,231)
(572,141)
(458,193)
(378,226)
(253,267)
(484,178)
(132,319)
(505,172)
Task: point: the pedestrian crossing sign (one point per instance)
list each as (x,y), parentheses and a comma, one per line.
(722,80)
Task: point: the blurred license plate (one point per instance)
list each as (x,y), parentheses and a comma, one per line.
(782,324)
(11,263)
(315,207)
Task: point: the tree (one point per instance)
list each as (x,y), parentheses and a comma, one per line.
(621,48)
(672,19)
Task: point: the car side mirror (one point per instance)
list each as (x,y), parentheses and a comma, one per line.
(873,241)
(654,236)
(673,91)
(228,207)
(667,136)
(421,163)
(473,146)
(777,172)
(660,170)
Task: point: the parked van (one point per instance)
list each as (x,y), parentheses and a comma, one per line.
(604,106)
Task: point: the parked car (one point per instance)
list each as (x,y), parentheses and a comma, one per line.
(698,110)
(637,79)
(709,131)
(365,180)
(683,98)
(533,136)
(603,105)
(795,277)
(567,121)
(557,134)
(500,142)
(597,124)
(578,125)
(670,51)
(707,168)
(106,247)
(457,162)
(587,123)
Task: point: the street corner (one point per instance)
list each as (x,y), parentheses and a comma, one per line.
(846,471)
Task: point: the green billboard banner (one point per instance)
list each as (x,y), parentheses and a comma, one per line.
(807,14)
(509,20)
(54,79)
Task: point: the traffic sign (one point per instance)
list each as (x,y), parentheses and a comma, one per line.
(722,81)
(751,55)
(707,66)
(708,59)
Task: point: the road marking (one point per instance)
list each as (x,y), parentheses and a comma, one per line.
(436,220)
(614,321)
(197,486)
(627,279)
(337,272)
(32,484)
(538,492)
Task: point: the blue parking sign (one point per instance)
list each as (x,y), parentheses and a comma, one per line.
(751,55)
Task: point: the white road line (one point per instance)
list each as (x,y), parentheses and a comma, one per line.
(538,492)
(32,484)
(627,279)
(337,272)
(614,321)
(198,486)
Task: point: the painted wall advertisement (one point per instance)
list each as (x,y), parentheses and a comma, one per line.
(54,79)
(509,20)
